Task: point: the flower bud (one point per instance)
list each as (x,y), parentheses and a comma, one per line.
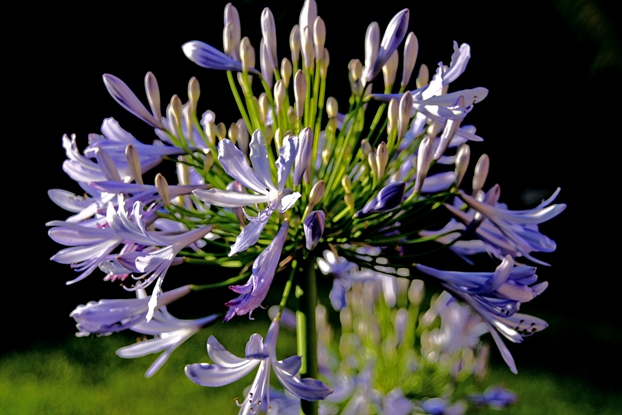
(267,69)
(423,77)
(411,49)
(233,133)
(247,54)
(319,37)
(372,43)
(316,194)
(279,95)
(306,38)
(208,162)
(174,110)
(390,69)
(232,34)
(183,174)
(314,228)
(373,165)
(424,158)
(243,136)
(300,91)
(462,162)
(382,157)
(332,107)
(480,173)
(405,110)
(133,162)
(268,31)
(221,130)
(162,188)
(194,91)
(349,201)
(211,132)
(294,44)
(286,71)
(393,115)
(303,155)
(153,95)
(386,200)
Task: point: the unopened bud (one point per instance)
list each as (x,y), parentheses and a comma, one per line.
(269,134)
(332,107)
(264,107)
(423,77)
(300,91)
(243,136)
(316,193)
(356,69)
(211,132)
(424,158)
(268,31)
(313,228)
(279,95)
(194,91)
(286,71)
(373,165)
(294,44)
(247,54)
(308,54)
(416,292)
(382,157)
(405,110)
(319,37)
(411,49)
(462,162)
(153,95)
(162,188)
(372,43)
(133,162)
(221,130)
(265,61)
(233,133)
(233,32)
(480,173)
(390,69)
(393,115)
(174,109)
(365,146)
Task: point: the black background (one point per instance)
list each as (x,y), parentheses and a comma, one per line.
(551,119)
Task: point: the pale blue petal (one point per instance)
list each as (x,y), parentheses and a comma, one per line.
(229,199)
(249,235)
(209,57)
(235,164)
(126,98)
(287,154)
(205,374)
(259,159)
(221,356)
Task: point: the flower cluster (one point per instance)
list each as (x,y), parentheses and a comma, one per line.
(296,184)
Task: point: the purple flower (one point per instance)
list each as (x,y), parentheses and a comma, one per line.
(258,179)
(496,397)
(109,316)
(228,368)
(211,58)
(169,333)
(254,291)
(313,228)
(386,200)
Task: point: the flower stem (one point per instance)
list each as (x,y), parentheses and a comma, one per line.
(307,331)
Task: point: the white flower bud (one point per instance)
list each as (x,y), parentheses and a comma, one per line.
(294,44)
(319,37)
(133,162)
(462,162)
(480,173)
(153,95)
(300,91)
(194,91)
(390,69)
(286,71)
(382,157)
(393,115)
(332,107)
(411,49)
(405,111)
(423,77)
(163,190)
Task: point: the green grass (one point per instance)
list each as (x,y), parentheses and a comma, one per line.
(85,377)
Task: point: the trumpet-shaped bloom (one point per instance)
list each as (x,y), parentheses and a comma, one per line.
(228,368)
(258,179)
(169,333)
(109,316)
(255,290)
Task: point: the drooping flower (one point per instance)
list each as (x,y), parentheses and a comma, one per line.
(169,332)
(109,316)
(255,290)
(258,179)
(228,368)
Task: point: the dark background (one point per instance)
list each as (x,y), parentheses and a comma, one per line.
(550,120)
